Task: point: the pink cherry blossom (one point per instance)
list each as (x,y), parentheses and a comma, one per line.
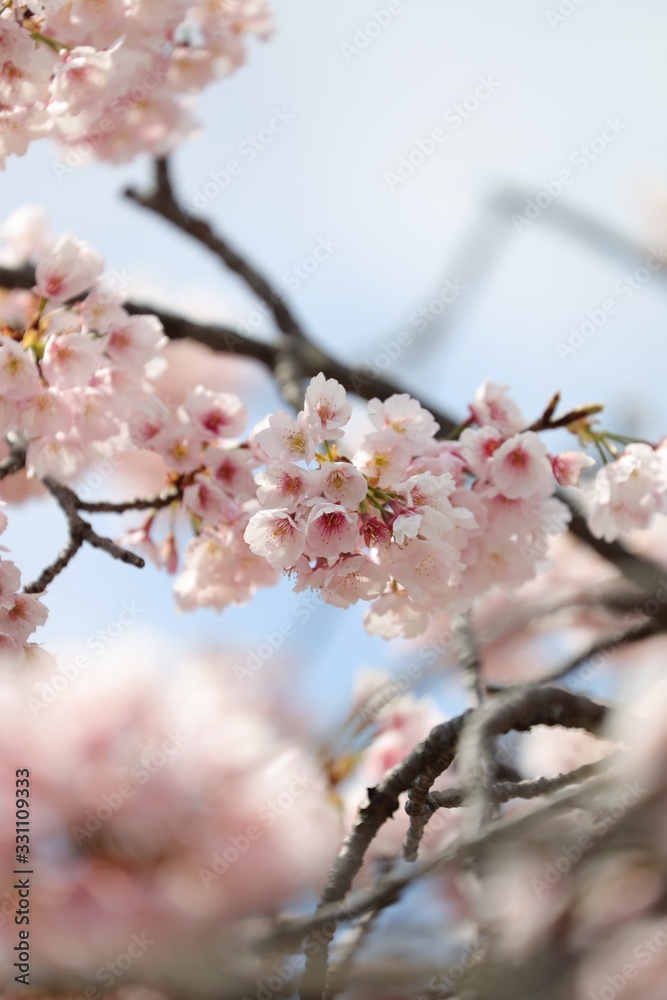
(20,617)
(332,530)
(628,492)
(216,414)
(19,377)
(342,483)
(232,470)
(70,359)
(60,456)
(132,341)
(10,580)
(326,408)
(285,485)
(493,406)
(396,616)
(179,447)
(44,413)
(285,438)
(206,500)
(521,467)
(25,235)
(404,416)
(220,569)
(275,535)
(383,458)
(352,578)
(568,466)
(67,269)
(478,446)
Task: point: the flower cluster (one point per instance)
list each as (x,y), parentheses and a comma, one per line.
(73,377)
(110,78)
(20,614)
(409,523)
(172,802)
(628,491)
(414,525)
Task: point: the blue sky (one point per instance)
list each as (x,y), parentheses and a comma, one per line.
(349,116)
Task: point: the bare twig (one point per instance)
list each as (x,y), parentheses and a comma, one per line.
(80,531)
(505,791)
(600,647)
(163,202)
(525,709)
(163,499)
(289,932)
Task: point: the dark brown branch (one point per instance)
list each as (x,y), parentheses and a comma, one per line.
(163,499)
(14,462)
(80,531)
(163,202)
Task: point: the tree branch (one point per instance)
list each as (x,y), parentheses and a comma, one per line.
(80,531)
(505,791)
(163,202)
(520,712)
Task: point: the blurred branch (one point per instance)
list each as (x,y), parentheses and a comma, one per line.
(14,462)
(606,645)
(289,932)
(520,712)
(505,791)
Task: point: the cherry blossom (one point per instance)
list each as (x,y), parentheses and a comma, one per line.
(216,415)
(111,80)
(68,268)
(628,492)
(275,535)
(286,439)
(326,409)
(521,468)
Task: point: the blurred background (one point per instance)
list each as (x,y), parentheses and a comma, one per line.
(521,92)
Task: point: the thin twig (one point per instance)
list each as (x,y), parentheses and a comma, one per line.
(606,645)
(163,202)
(505,791)
(525,709)
(80,531)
